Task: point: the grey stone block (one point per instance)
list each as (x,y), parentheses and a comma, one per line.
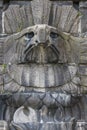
(3,125)
(83,12)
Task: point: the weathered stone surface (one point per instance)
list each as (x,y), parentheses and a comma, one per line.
(83,52)
(19,2)
(1,51)
(57,14)
(83,70)
(58,122)
(3,125)
(83,10)
(1,6)
(0,20)
(43,57)
(48,126)
(43,79)
(28,115)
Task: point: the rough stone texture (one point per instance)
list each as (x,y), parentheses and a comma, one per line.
(44,117)
(1,50)
(3,125)
(0,20)
(83,54)
(83,10)
(43,66)
(19,2)
(51,88)
(46,60)
(58,14)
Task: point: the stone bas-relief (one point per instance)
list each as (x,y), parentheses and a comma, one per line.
(42,65)
(43,81)
(41,56)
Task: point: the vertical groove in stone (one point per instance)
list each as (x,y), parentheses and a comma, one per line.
(29,15)
(83,54)
(18,18)
(51,80)
(81,109)
(55,14)
(71,19)
(36,76)
(37,10)
(8,28)
(46,11)
(56,79)
(75,25)
(23,15)
(46,76)
(64,14)
(40,10)
(41,76)
(25,78)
